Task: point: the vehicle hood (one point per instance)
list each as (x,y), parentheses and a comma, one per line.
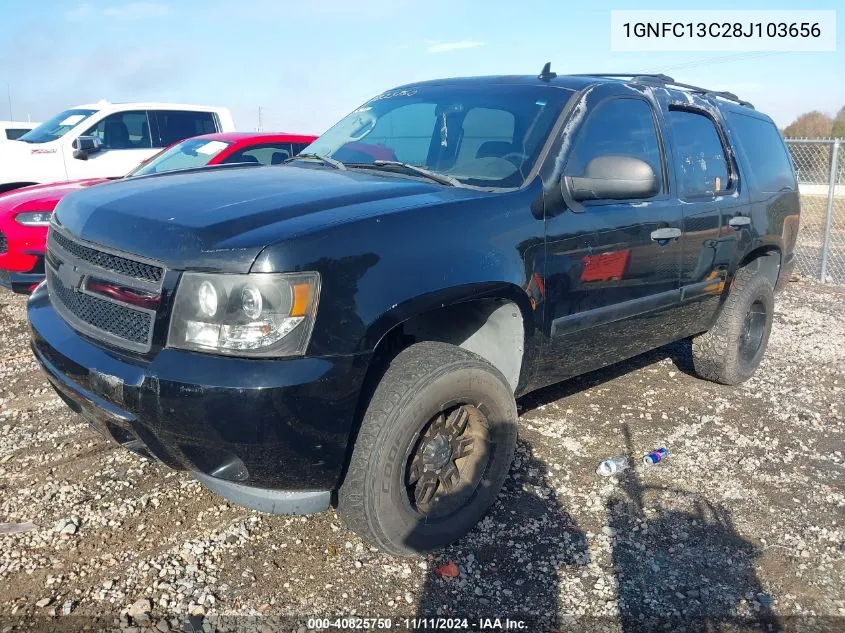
(220,218)
(45,197)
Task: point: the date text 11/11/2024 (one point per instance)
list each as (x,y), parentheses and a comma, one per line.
(419,624)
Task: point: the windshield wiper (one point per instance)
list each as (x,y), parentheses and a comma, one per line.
(419,171)
(331,162)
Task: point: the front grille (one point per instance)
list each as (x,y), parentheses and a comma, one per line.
(121,265)
(118,320)
(4,245)
(69,267)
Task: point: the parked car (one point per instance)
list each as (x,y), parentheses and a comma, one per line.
(357,328)
(13,130)
(102,140)
(25,213)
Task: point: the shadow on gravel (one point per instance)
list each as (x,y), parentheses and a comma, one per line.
(686,568)
(509,563)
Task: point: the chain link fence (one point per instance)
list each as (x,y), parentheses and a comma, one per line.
(820,166)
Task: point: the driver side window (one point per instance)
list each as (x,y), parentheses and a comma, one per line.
(619,127)
(123,130)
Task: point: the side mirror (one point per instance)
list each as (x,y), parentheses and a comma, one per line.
(613,178)
(86,145)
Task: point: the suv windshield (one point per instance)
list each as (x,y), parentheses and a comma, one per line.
(482,135)
(57,127)
(194,152)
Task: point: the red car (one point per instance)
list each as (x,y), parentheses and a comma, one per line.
(25,213)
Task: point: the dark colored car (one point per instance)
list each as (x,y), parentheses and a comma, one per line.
(25,212)
(354,328)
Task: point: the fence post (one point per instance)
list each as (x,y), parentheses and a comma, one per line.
(828,224)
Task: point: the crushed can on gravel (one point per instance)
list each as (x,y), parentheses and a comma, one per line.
(655,456)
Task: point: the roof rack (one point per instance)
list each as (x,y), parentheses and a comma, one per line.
(667,80)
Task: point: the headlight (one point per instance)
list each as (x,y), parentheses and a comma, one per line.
(260,314)
(34,218)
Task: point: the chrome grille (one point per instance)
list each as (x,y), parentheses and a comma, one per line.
(69,265)
(4,245)
(120,265)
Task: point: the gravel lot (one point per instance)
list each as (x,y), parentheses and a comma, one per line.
(744,519)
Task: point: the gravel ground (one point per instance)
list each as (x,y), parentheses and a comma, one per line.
(742,524)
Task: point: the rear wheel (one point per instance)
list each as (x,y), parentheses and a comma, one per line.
(434,448)
(732,349)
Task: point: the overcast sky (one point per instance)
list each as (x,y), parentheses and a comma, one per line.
(309,62)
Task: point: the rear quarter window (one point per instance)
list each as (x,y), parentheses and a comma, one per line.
(14,133)
(763,152)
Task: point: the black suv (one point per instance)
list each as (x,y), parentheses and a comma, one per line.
(352,328)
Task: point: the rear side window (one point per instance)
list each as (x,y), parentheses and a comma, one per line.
(763,151)
(619,127)
(177,125)
(700,158)
(14,133)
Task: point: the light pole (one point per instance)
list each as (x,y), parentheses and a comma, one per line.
(9,94)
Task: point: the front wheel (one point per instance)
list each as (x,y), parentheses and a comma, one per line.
(433,451)
(732,349)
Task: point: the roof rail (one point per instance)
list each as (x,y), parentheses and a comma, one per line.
(669,81)
(638,77)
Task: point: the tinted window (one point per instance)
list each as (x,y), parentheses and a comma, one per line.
(764,152)
(123,130)
(480,134)
(14,133)
(175,125)
(57,126)
(296,148)
(701,164)
(267,154)
(193,152)
(620,127)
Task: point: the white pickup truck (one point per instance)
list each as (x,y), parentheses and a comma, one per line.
(102,140)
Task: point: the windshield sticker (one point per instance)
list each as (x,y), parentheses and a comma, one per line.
(72,120)
(210,148)
(408,92)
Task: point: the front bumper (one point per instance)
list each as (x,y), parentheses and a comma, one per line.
(248,429)
(21,255)
(23,282)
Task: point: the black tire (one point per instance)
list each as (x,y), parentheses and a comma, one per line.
(422,381)
(731,350)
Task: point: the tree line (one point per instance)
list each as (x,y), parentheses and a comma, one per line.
(817,124)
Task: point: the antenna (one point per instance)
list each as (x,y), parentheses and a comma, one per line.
(546,74)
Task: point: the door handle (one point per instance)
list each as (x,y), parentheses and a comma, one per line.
(739,222)
(666,234)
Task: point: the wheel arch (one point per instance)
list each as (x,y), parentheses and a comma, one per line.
(494,320)
(765,260)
